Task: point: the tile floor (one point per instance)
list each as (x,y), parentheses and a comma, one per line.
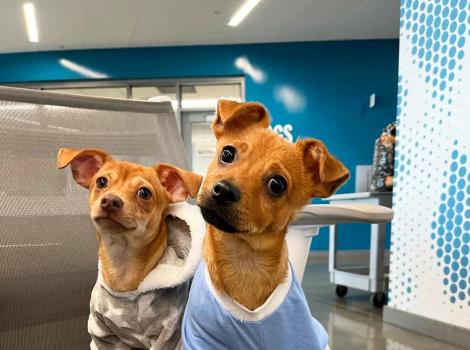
(353,322)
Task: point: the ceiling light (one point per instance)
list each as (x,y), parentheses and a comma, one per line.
(242,12)
(31,23)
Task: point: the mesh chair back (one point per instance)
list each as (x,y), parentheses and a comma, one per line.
(48,252)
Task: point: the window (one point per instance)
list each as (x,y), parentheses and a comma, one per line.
(203,146)
(113,92)
(158,93)
(204,97)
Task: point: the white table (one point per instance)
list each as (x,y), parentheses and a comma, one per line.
(310,218)
(372,278)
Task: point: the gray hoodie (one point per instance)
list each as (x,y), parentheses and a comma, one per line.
(150,317)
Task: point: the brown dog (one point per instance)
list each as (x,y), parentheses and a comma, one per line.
(128,206)
(252,190)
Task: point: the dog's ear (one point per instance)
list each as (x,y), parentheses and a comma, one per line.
(178,182)
(85,163)
(325,171)
(235,116)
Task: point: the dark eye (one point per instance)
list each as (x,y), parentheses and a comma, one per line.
(144,193)
(228,154)
(101,182)
(277,185)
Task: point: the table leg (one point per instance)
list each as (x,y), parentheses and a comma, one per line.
(377,250)
(332,256)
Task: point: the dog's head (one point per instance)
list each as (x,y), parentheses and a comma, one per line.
(258,180)
(127,198)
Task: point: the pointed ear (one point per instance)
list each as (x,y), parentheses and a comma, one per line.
(178,182)
(325,171)
(235,116)
(85,163)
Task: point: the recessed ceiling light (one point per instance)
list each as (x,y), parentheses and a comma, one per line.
(242,12)
(31,23)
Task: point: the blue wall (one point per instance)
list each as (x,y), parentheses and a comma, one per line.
(331,81)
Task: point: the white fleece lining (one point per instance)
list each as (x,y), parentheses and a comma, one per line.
(242,313)
(166,275)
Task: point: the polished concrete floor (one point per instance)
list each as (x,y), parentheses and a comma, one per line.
(353,322)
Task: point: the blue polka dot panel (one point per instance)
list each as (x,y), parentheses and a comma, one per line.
(429,257)
(451,229)
(437,31)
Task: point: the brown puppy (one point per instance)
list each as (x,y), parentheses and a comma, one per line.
(251,192)
(149,248)
(127,206)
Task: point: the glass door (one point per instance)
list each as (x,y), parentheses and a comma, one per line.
(198,104)
(198,138)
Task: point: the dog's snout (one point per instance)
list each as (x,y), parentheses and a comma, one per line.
(225,193)
(111,203)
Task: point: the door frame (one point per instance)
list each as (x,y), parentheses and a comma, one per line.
(187,118)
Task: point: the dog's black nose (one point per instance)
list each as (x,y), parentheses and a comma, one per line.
(111,203)
(224,193)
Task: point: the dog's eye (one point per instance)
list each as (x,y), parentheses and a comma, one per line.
(228,154)
(144,193)
(101,182)
(277,185)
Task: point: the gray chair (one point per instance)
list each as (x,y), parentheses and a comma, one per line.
(48,252)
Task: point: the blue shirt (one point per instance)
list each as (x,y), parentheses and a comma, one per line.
(207,324)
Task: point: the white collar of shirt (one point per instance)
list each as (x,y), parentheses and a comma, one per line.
(242,313)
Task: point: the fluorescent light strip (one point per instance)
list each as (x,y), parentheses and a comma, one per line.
(242,12)
(207,103)
(87,72)
(204,104)
(31,23)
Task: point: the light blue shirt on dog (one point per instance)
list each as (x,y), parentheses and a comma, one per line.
(214,321)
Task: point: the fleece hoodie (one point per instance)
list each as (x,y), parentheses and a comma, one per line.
(150,317)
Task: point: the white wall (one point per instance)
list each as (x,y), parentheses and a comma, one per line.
(431,231)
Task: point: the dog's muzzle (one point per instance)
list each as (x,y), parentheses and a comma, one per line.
(218,206)
(214,218)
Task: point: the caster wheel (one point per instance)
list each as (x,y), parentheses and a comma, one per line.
(341,291)
(379,299)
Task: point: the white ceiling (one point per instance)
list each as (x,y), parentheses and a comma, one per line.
(82,24)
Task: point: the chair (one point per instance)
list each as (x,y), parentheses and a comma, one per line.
(48,253)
